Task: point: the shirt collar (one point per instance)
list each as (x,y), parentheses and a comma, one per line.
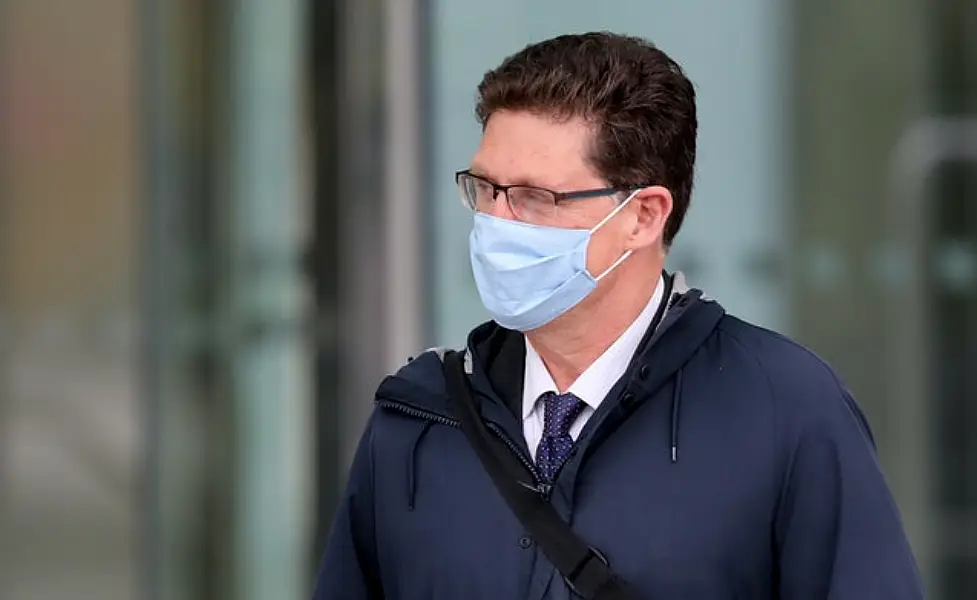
(598,379)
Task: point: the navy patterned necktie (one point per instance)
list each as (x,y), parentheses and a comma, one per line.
(559,413)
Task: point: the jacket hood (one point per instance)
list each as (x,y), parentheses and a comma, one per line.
(689,319)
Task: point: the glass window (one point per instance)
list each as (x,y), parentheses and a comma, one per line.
(69,434)
(884,238)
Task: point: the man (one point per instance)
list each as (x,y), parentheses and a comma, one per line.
(702,457)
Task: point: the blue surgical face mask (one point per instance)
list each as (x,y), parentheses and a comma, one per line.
(527,275)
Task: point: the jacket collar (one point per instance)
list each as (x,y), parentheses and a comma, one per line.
(498,362)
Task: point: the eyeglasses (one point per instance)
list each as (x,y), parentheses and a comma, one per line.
(528,203)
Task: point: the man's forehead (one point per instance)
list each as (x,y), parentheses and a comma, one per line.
(521,150)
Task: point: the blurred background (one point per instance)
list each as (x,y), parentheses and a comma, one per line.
(222,222)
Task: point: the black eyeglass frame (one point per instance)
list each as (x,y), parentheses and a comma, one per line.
(557,196)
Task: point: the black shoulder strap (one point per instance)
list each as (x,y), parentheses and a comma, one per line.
(583,567)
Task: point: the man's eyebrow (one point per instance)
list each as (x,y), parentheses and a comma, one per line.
(476,169)
(479,170)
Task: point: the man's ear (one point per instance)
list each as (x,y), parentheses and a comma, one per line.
(652,207)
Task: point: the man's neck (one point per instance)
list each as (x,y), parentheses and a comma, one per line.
(574,341)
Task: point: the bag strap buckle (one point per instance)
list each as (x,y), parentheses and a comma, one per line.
(590,575)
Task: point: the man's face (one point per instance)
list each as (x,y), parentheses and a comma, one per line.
(520,148)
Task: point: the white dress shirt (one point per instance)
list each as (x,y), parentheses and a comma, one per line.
(592,385)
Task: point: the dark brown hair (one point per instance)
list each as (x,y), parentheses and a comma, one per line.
(639,101)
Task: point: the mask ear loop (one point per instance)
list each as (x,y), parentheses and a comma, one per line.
(613,266)
(614,212)
(601,224)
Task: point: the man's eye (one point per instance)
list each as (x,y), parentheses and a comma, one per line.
(530,196)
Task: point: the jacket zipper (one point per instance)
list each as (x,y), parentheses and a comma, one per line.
(541,487)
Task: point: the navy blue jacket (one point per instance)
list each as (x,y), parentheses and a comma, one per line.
(727,463)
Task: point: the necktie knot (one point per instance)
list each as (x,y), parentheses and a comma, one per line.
(559,413)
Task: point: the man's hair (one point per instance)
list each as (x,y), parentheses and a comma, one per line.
(639,101)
